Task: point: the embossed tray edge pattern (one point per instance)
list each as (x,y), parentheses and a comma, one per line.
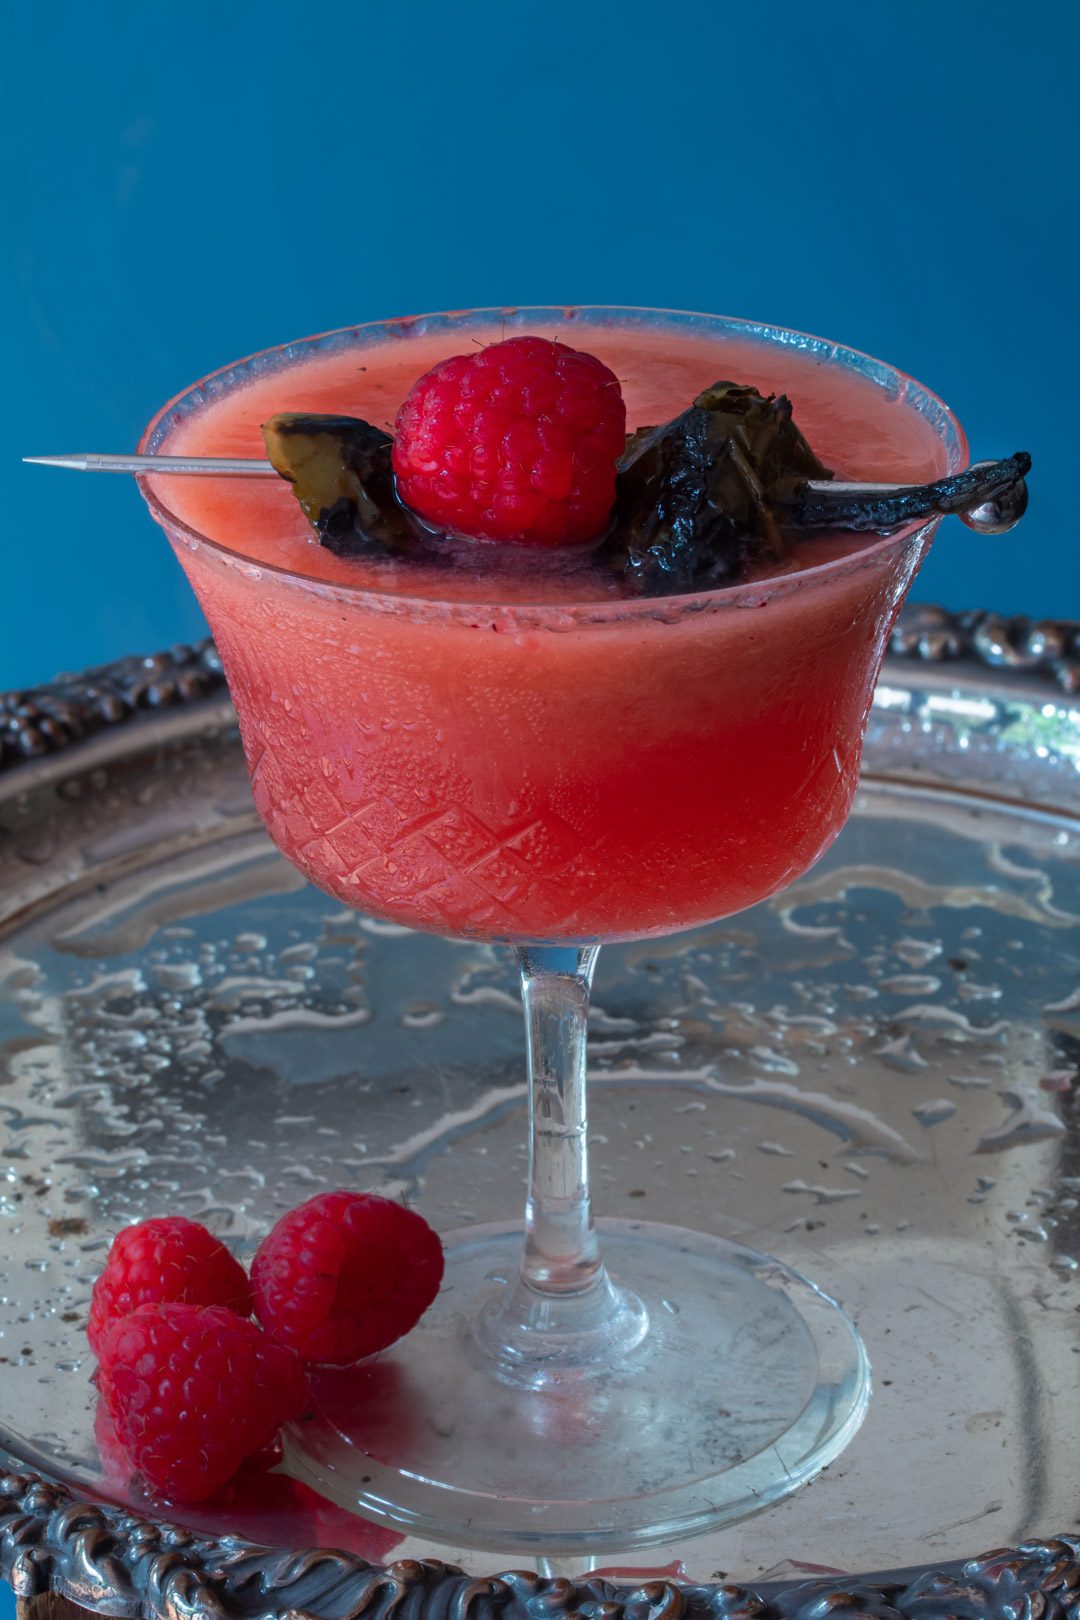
(105,1558)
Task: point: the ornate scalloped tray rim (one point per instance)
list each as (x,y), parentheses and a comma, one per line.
(44,720)
(105,1559)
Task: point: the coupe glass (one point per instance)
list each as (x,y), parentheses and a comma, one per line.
(555,776)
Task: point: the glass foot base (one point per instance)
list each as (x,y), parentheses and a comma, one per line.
(746,1381)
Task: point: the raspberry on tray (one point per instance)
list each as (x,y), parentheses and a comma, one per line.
(165,1260)
(194,1391)
(345,1275)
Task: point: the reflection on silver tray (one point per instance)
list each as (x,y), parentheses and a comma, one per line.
(874,1075)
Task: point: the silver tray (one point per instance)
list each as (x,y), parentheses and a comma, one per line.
(875,1076)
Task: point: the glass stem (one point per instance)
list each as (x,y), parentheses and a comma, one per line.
(562,1255)
(562,1314)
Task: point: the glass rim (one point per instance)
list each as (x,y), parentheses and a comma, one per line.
(906,388)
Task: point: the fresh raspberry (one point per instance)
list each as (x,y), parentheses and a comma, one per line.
(194,1390)
(345,1275)
(162,1261)
(516,442)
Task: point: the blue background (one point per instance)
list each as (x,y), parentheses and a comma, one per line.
(183,185)
(186,185)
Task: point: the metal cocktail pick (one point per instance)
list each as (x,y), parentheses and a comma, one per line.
(217,466)
(990,497)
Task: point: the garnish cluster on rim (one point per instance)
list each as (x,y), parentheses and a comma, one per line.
(524,442)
